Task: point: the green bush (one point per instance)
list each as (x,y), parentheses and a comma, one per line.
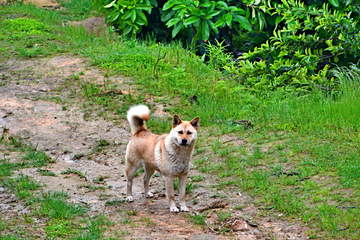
(307,41)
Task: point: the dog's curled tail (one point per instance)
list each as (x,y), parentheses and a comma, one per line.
(137,117)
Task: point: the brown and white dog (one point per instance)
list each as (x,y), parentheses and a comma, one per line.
(169,154)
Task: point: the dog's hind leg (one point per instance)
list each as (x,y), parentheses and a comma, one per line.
(170,193)
(149,171)
(182,191)
(130,169)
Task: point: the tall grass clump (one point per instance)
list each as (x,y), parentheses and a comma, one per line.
(322,109)
(54,205)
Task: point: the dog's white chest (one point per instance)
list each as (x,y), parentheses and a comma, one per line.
(173,160)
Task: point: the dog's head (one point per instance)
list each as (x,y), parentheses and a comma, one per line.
(183,132)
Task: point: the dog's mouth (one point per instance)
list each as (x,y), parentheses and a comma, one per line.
(184,144)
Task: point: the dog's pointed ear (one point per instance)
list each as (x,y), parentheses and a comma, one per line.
(176,121)
(195,123)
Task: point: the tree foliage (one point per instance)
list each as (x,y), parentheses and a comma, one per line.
(307,41)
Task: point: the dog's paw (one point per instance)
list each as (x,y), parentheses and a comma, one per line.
(130,199)
(184,209)
(149,195)
(174,209)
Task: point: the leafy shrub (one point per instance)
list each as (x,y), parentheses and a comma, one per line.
(198,19)
(204,17)
(127,15)
(307,41)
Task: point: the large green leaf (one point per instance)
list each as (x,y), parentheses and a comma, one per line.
(142,16)
(178,7)
(154,3)
(212,26)
(115,16)
(166,15)
(169,4)
(219,23)
(144,7)
(205,31)
(133,15)
(176,29)
(127,14)
(213,13)
(335,3)
(228,18)
(124,3)
(223,5)
(128,29)
(172,22)
(243,22)
(110,4)
(191,20)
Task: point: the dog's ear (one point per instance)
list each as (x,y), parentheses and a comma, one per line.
(195,123)
(176,121)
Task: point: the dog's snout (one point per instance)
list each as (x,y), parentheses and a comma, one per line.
(184,141)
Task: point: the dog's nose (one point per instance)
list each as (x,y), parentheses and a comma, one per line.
(184,141)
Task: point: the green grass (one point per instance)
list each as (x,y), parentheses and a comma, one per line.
(198,219)
(54,205)
(100,179)
(6,168)
(22,186)
(60,228)
(44,172)
(96,227)
(37,158)
(73,171)
(114,202)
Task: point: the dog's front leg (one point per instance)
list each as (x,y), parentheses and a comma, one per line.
(182,191)
(170,193)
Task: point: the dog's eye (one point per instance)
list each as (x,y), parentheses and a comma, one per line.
(180,132)
(189,133)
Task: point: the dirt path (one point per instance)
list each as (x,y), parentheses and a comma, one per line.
(61,131)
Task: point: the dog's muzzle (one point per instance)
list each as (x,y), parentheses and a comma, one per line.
(184,142)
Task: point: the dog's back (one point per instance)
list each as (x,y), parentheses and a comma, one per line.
(143,142)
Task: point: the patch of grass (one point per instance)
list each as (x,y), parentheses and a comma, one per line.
(92,187)
(114,202)
(54,205)
(100,179)
(190,186)
(101,144)
(159,126)
(37,158)
(77,9)
(45,172)
(22,186)
(139,171)
(198,219)
(74,171)
(132,212)
(95,227)
(60,228)
(197,178)
(7,168)
(148,222)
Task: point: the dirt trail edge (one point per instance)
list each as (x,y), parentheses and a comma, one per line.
(31,107)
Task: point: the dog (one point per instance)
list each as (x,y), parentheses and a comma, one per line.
(169,154)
